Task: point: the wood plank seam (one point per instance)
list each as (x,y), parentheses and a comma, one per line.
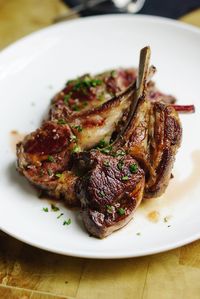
(35,291)
(81,274)
(145,280)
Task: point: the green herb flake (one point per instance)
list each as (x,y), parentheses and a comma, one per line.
(61,121)
(133,168)
(101,97)
(120,153)
(101,193)
(58,175)
(102,144)
(120,165)
(54,208)
(78,128)
(109,208)
(138,234)
(67,97)
(50,159)
(106,150)
(61,214)
(113,73)
(125,178)
(85,83)
(121,211)
(67,222)
(73,138)
(75,108)
(45,209)
(76,149)
(69,82)
(85,104)
(106,163)
(49,171)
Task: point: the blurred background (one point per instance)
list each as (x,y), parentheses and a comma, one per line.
(166,8)
(21,17)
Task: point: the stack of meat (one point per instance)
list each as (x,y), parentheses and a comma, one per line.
(109,142)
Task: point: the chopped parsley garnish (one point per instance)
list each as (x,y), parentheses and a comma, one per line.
(101,193)
(138,234)
(69,81)
(45,209)
(67,222)
(120,153)
(78,128)
(102,144)
(86,83)
(61,214)
(54,208)
(76,149)
(109,208)
(106,163)
(67,97)
(133,168)
(113,73)
(51,159)
(121,211)
(85,104)
(58,175)
(61,121)
(125,178)
(49,171)
(166,219)
(101,97)
(106,150)
(73,138)
(75,108)
(120,165)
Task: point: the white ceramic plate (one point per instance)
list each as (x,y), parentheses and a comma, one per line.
(35,68)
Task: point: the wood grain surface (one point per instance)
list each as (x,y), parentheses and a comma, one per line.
(28,272)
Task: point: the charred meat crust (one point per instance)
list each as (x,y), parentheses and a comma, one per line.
(109,193)
(44,155)
(166,135)
(152,138)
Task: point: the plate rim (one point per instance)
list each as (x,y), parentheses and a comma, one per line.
(113,256)
(102,255)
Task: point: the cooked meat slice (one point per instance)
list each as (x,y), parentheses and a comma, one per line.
(111,187)
(153,138)
(109,192)
(87,92)
(44,155)
(99,123)
(165,134)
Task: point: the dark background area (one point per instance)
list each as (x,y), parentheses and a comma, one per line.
(166,8)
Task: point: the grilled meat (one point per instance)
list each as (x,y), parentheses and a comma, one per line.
(153,138)
(164,139)
(44,155)
(110,181)
(111,187)
(110,191)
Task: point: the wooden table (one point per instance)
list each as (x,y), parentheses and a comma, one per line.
(28,272)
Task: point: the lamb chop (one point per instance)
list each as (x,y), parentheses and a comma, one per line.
(44,155)
(111,187)
(153,139)
(137,165)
